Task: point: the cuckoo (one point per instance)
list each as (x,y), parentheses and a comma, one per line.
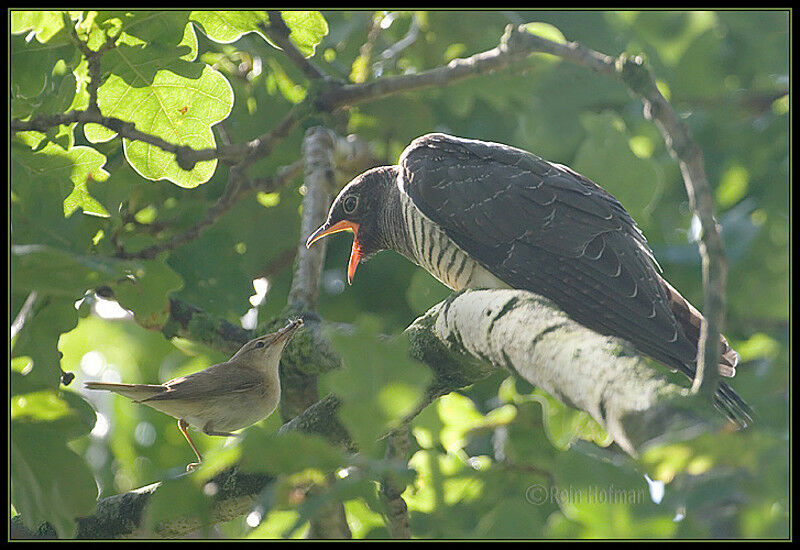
(478,214)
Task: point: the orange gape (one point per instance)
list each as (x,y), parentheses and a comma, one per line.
(355,254)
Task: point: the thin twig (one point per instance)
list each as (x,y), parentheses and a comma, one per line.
(22,314)
(279,33)
(397,517)
(93,59)
(410,37)
(235,189)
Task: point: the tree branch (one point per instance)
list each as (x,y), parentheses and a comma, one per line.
(236,494)
(397,518)
(299,388)
(279,33)
(712,249)
(464,339)
(320,183)
(528,335)
(237,188)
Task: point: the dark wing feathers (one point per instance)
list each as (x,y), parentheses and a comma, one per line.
(543,227)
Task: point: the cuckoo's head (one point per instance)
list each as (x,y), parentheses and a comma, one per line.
(359,208)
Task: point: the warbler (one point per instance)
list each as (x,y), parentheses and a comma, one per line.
(223,398)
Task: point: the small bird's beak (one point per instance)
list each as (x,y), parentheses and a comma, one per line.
(284,334)
(344,225)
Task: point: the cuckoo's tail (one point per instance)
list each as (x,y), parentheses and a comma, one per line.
(725,399)
(691,320)
(733,406)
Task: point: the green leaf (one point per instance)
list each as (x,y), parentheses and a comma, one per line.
(78,166)
(64,412)
(32,62)
(175,500)
(45,24)
(142,286)
(378,385)
(545,30)
(146,291)
(49,481)
(61,273)
(605,157)
(564,424)
(163,95)
(229,26)
(288,453)
(38,340)
(307,29)
(295,93)
(732,186)
(169,28)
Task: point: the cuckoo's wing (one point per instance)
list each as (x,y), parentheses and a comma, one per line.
(542,227)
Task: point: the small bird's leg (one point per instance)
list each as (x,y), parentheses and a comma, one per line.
(182,426)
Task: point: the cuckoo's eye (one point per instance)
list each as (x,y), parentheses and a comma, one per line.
(350,204)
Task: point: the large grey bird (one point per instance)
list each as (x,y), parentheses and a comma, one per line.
(478,214)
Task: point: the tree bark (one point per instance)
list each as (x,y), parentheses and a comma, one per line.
(531,337)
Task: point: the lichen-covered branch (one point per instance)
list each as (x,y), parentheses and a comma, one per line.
(396,513)
(532,337)
(320,181)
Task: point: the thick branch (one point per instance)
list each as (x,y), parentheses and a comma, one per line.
(530,336)
(318,149)
(396,513)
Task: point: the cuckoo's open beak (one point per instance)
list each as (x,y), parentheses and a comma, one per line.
(355,253)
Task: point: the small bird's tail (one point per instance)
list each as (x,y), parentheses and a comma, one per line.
(137,392)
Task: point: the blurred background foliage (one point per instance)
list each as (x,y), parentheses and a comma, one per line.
(499,459)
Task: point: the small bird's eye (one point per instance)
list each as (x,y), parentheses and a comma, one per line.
(260,344)
(350,203)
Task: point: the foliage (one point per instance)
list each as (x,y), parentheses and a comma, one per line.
(498,459)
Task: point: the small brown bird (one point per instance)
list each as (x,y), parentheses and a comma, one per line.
(222,398)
